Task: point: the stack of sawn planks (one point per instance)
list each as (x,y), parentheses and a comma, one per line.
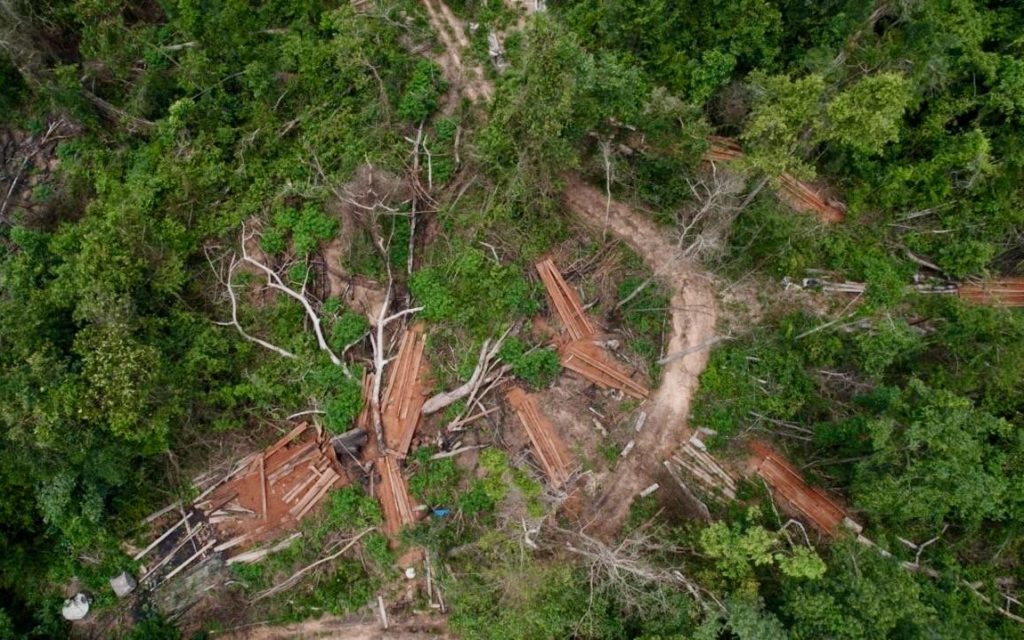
(565,301)
(260,496)
(405,393)
(1006,292)
(586,358)
(789,486)
(798,194)
(277,488)
(401,408)
(579,353)
(551,450)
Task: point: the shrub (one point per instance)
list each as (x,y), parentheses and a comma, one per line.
(347,329)
(344,591)
(423,92)
(435,481)
(537,366)
(351,508)
(472,292)
(308,228)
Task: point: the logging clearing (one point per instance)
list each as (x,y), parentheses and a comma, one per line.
(511,320)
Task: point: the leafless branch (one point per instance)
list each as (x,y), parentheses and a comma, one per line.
(487,372)
(294,579)
(228,283)
(274,282)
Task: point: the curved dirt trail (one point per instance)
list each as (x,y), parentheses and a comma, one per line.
(470,79)
(693,324)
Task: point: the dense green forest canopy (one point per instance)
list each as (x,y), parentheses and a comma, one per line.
(169,127)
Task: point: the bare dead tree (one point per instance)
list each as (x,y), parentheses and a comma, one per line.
(704,228)
(275,282)
(626,568)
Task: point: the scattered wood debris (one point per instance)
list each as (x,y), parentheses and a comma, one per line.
(262,495)
(586,358)
(722,149)
(802,196)
(1006,292)
(551,450)
(799,195)
(565,301)
(794,493)
(393,494)
(694,459)
(406,392)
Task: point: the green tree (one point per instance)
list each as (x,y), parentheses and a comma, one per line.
(867,115)
(935,458)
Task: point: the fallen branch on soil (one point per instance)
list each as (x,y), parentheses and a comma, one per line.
(456,452)
(484,373)
(294,579)
(707,344)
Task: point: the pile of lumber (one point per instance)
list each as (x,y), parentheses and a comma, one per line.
(579,353)
(401,408)
(551,450)
(405,393)
(1008,292)
(804,197)
(261,496)
(798,194)
(565,301)
(393,494)
(277,488)
(694,459)
(793,493)
(587,359)
(722,149)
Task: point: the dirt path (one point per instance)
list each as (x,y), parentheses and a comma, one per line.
(467,79)
(342,629)
(693,316)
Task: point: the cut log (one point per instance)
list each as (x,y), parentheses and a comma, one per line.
(258,554)
(552,454)
(565,301)
(810,502)
(586,359)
